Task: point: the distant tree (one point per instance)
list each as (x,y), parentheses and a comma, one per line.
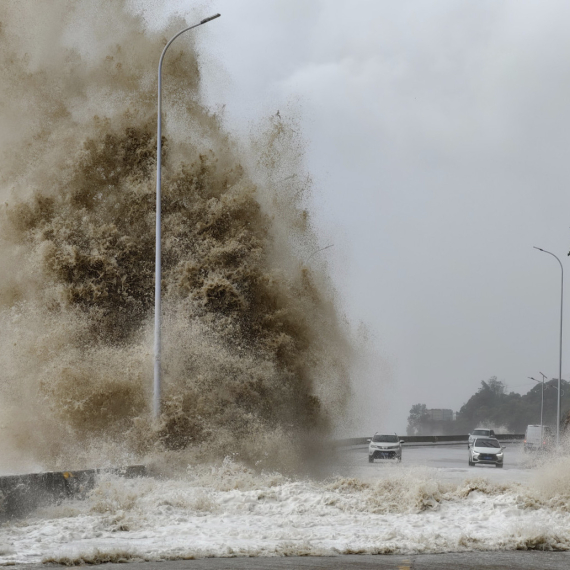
(418,415)
(481,406)
(492,406)
(495,386)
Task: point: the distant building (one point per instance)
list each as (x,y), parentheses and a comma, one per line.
(440,415)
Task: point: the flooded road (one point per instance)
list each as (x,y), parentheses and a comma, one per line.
(450,461)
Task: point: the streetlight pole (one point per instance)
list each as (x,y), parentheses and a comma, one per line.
(542,428)
(541,405)
(158,268)
(560,347)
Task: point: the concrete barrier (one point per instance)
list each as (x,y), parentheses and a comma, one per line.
(22,494)
(435,439)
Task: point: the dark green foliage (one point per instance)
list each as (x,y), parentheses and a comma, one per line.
(492,406)
(417,419)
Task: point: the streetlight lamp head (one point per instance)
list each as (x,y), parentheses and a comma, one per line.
(540,249)
(210,18)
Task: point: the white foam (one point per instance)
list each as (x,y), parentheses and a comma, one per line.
(230,511)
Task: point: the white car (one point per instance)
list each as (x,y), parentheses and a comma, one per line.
(486,451)
(482,432)
(385,446)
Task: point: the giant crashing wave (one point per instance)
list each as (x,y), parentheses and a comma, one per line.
(255,351)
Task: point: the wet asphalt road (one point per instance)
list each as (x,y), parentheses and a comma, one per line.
(450,461)
(451,561)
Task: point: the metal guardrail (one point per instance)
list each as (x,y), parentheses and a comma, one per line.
(431,439)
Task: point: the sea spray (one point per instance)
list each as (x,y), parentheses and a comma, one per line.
(256,353)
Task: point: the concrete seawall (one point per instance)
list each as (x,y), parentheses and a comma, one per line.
(22,494)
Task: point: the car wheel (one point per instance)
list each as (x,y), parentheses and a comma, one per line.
(370,459)
(499,465)
(471,464)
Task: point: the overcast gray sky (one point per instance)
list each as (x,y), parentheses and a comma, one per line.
(438,137)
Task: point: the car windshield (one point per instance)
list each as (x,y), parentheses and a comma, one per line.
(481,432)
(387,438)
(487,443)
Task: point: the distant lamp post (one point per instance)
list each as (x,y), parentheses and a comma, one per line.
(318,251)
(560,347)
(541,406)
(158,269)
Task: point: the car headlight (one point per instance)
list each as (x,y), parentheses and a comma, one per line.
(499,456)
(475,454)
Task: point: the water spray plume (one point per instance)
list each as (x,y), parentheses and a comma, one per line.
(256,353)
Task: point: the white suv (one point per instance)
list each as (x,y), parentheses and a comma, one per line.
(486,451)
(385,446)
(479,433)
